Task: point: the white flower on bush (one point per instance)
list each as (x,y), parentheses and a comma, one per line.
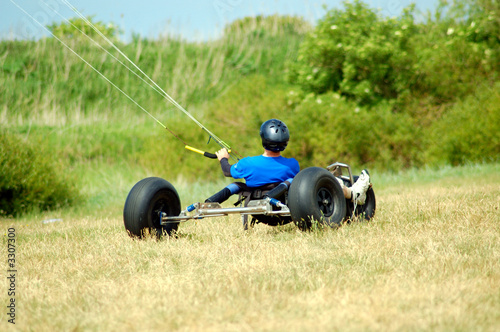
(450,31)
(333,27)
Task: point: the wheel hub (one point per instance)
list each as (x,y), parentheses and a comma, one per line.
(325,202)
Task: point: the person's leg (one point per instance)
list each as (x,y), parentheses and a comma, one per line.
(358,190)
(224,194)
(346,190)
(279,189)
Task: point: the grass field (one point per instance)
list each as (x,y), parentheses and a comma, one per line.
(430,260)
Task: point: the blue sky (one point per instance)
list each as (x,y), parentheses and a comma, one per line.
(192,19)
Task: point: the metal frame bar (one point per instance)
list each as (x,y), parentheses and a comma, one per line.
(342,165)
(201,212)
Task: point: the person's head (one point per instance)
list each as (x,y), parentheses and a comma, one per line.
(275,135)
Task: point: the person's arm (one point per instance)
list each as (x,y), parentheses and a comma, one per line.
(226,167)
(223,157)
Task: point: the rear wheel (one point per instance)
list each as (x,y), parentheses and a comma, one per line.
(144,206)
(316,195)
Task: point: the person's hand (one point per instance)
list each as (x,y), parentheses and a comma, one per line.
(222,153)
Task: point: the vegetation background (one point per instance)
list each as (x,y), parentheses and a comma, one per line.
(417,101)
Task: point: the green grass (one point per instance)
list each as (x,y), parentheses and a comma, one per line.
(430,260)
(43,82)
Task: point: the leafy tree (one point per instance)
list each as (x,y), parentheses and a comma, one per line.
(356,52)
(73,28)
(369,58)
(456,50)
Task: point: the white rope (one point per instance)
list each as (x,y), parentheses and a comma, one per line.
(354,210)
(102,48)
(90,65)
(154,86)
(165,95)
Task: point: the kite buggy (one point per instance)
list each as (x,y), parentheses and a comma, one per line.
(315,196)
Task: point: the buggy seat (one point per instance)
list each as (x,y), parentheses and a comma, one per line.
(248,194)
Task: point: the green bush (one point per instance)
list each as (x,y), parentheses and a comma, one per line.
(30,179)
(370,58)
(469,131)
(262,44)
(358,53)
(329,128)
(456,51)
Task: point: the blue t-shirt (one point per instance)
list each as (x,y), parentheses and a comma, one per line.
(260,170)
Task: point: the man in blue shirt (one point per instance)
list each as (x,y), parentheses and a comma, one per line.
(269,168)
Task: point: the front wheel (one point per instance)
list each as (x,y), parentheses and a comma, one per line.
(316,195)
(144,206)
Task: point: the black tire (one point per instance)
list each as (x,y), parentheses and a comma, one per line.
(316,195)
(367,210)
(145,202)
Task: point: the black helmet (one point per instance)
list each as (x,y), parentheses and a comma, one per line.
(275,135)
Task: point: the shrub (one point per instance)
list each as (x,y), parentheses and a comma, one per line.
(356,52)
(469,131)
(456,51)
(370,58)
(273,25)
(30,179)
(329,128)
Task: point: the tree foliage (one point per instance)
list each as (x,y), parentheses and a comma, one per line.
(75,28)
(369,58)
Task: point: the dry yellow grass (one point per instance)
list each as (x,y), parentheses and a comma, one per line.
(429,261)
